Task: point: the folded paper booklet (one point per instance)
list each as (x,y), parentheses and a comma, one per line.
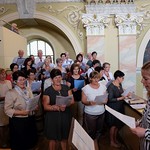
(32,103)
(101,98)
(129,121)
(130,89)
(63,100)
(138,101)
(78,84)
(39,64)
(36,86)
(138,106)
(80,139)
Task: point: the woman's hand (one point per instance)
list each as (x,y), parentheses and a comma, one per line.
(62,107)
(121,98)
(36,108)
(139,131)
(74,89)
(91,103)
(22,112)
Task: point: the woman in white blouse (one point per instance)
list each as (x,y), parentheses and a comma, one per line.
(93,113)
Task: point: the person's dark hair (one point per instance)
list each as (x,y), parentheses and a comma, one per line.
(96,62)
(79,56)
(62,54)
(18,74)
(55,72)
(26,61)
(99,68)
(31,71)
(13,65)
(105,63)
(94,53)
(73,66)
(118,73)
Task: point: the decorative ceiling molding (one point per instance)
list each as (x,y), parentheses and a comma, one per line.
(7,1)
(110,9)
(3,10)
(26,8)
(72,14)
(95,23)
(39,1)
(128,23)
(56,1)
(109,1)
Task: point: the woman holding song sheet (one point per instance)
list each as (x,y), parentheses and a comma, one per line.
(143,126)
(115,101)
(57,117)
(76,82)
(94,113)
(23,132)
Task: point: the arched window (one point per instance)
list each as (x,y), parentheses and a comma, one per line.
(36,44)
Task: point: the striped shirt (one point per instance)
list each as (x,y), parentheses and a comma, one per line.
(145,123)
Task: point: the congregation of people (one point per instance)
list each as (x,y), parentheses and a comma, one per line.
(84,78)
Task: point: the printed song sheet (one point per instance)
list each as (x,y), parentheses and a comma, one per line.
(101,98)
(32,103)
(63,100)
(129,121)
(80,139)
(36,86)
(130,89)
(78,84)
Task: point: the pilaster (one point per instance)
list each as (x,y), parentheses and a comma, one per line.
(127,29)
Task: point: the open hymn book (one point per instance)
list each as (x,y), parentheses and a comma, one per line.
(79,139)
(129,121)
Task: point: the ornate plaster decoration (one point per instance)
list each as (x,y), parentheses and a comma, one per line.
(7,1)
(72,14)
(145,9)
(26,8)
(95,23)
(110,8)
(3,10)
(129,23)
(109,1)
(56,1)
(39,1)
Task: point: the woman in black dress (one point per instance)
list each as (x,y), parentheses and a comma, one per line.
(57,118)
(115,101)
(77,108)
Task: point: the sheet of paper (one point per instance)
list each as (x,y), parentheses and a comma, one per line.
(101,98)
(32,103)
(138,106)
(130,89)
(78,84)
(129,121)
(80,139)
(63,100)
(39,64)
(36,86)
(136,101)
(63,75)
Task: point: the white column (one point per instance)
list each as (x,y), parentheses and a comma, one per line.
(95,25)
(127,27)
